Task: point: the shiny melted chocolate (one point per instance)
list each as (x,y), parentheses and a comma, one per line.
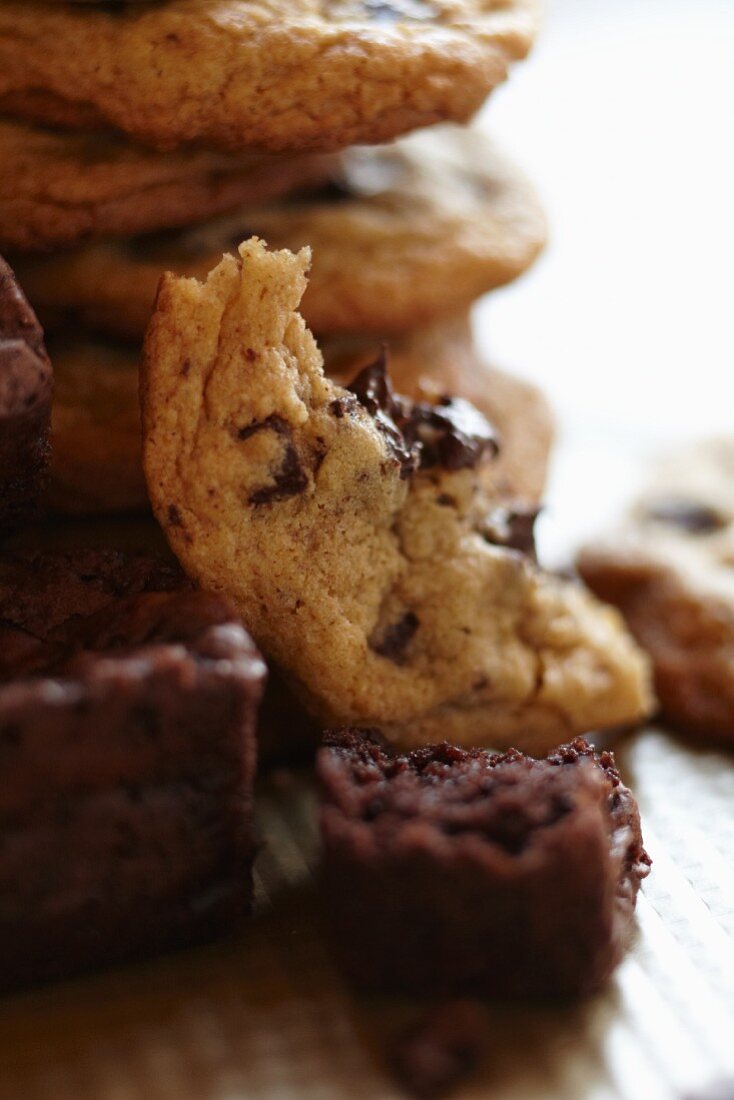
(451,433)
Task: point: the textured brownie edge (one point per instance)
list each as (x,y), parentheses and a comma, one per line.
(417,909)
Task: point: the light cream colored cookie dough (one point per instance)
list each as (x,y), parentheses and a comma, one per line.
(59,187)
(669,567)
(401,236)
(376,588)
(271,74)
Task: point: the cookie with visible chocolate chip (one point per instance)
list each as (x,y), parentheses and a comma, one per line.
(26,386)
(96,463)
(403,236)
(442,358)
(670,570)
(277,75)
(350,527)
(60,188)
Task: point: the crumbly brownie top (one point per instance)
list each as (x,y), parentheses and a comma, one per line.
(41,591)
(60,612)
(507,798)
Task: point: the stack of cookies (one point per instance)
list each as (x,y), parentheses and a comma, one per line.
(360,501)
(189,126)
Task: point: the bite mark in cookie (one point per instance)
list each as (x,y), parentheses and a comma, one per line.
(323,575)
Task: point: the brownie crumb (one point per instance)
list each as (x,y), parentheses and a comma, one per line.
(442,1049)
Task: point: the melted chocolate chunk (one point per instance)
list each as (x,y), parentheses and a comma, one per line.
(372,389)
(513,527)
(698,519)
(291,478)
(397,636)
(453,434)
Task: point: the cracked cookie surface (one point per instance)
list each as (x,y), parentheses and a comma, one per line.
(270,74)
(354,534)
(401,236)
(670,569)
(60,188)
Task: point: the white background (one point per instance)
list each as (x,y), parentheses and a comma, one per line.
(624,117)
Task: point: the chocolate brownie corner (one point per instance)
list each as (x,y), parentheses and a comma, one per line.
(127,741)
(26,384)
(451,871)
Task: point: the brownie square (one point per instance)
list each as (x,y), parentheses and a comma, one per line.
(451,871)
(127,760)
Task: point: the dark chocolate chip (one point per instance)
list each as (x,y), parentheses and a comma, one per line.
(174,516)
(291,478)
(689,515)
(512,526)
(453,434)
(397,636)
(374,392)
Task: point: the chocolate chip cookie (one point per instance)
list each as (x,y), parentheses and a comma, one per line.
(401,235)
(60,188)
(26,385)
(276,74)
(670,570)
(354,532)
(96,465)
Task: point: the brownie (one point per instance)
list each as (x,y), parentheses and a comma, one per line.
(453,871)
(127,750)
(26,385)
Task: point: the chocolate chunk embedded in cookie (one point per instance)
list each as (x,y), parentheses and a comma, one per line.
(26,386)
(502,652)
(670,570)
(127,710)
(96,463)
(451,871)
